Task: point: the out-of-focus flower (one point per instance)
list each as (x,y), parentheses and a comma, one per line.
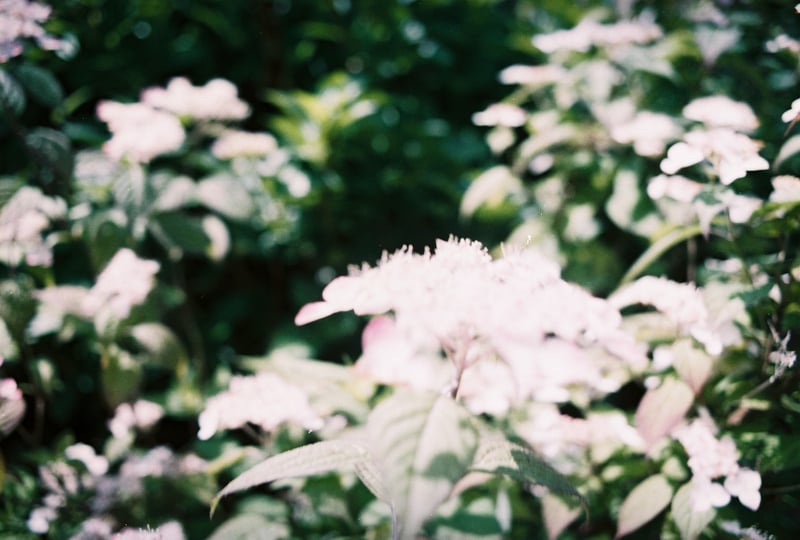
(785,189)
(216,100)
(124,283)
(721,112)
(141,415)
(589,33)
(681,303)
(501,114)
(139,132)
(94,528)
(532,75)
(20,19)
(675,187)
(265,400)
(233,143)
(711,458)
(40,518)
(783,42)
(489,319)
(171,530)
(792,113)
(731,154)
(23,219)
(96,465)
(648,131)
(12,406)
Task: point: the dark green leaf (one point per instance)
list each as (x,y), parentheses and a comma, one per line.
(12,97)
(41,85)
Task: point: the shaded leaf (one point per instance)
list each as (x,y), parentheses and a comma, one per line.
(643,503)
(41,85)
(304,461)
(12,97)
(120,376)
(53,153)
(661,409)
(498,455)
(690,523)
(160,344)
(657,249)
(180,233)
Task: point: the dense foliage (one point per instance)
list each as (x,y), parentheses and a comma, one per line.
(610,354)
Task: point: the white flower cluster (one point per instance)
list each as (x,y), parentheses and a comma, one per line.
(124,283)
(265,400)
(21,19)
(590,33)
(232,144)
(153,126)
(511,328)
(712,459)
(23,219)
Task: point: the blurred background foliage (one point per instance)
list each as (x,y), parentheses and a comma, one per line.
(375,101)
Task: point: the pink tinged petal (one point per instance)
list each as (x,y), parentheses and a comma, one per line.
(661,409)
(681,155)
(314,311)
(745,484)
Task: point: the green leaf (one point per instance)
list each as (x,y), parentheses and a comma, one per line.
(226,195)
(643,503)
(657,249)
(120,376)
(12,97)
(690,523)
(498,455)
(251,527)
(180,233)
(693,365)
(53,153)
(557,515)
(42,86)
(304,461)
(17,305)
(161,346)
(422,443)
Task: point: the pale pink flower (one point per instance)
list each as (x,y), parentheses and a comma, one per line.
(783,42)
(532,75)
(648,131)
(730,153)
(722,112)
(681,303)
(96,465)
(785,188)
(171,530)
(792,113)
(265,400)
(21,19)
(232,144)
(489,318)
(139,132)
(588,33)
(23,220)
(501,114)
(675,187)
(140,415)
(124,283)
(713,458)
(216,100)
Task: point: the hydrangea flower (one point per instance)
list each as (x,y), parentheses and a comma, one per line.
(21,19)
(139,132)
(265,400)
(722,112)
(493,320)
(501,114)
(589,33)
(233,143)
(216,100)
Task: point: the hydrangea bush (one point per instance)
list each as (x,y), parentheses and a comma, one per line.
(623,365)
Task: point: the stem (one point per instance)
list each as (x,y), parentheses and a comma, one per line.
(657,249)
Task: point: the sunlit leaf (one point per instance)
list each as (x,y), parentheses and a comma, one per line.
(789,148)
(662,408)
(423,443)
(250,527)
(643,503)
(557,515)
(226,195)
(690,522)
(304,461)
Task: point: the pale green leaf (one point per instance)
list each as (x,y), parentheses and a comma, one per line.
(643,503)
(490,189)
(661,409)
(307,460)
(789,148)
(692,364)
(423,443)
(690,522)
(226,195)
(557,515)
(251,527)
(657,249)
(160,345)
